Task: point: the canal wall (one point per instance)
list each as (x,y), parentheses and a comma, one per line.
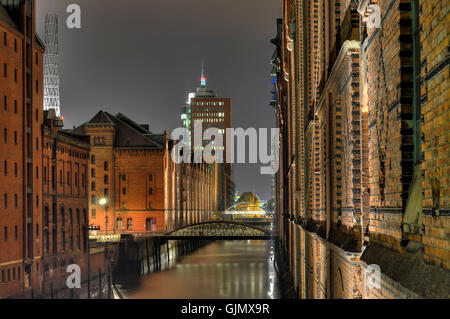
(138,256)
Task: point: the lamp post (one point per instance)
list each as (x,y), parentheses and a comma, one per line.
(102,202)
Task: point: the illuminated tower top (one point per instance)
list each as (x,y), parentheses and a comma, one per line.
(203,78)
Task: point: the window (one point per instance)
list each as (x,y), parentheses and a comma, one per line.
(37,230)
(37,59)
(129,224)
(78,216)
(37,86)
(106,179)
(93,172)
(150,224)
(37,115)
(92,186)
(68,178)
(15,106)
(106,192)
(6,233)
(16,201)
(150,178)
(119,223)
(15,45)
(37,201)
(5,199)
(5,38)
(85,216)
(92,159)
(63,217)
(76,179)
(93,213)
(15,137)
(124,191)
(93,200)
(105,165)
(150,205)
(5,70)
(150,191)
(15,75)
(15,169)
(37,172)
(124,177)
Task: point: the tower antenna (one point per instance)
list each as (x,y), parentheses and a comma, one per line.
(203,78)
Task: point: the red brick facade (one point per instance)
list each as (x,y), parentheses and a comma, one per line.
(21,84)
(65,208)
(130,175)
(134,186)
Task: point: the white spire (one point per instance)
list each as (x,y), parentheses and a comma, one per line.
(51,64)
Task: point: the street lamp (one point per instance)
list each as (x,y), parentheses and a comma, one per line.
(103,201)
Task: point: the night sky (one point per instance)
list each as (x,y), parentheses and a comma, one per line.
(143,57)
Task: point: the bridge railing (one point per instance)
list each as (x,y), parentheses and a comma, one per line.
(175,220)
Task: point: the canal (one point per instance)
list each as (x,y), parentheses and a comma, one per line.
(220,270)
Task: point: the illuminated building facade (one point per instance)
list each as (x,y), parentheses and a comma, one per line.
(213,112)
(21,86)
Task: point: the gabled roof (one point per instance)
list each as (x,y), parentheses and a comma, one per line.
(128,134)
(101,118)
(138,127)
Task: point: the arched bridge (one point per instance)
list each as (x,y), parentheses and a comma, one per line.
(219,230)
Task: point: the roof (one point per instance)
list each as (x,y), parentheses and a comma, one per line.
(101,118)
(249,197)
(9,15)
(128,134)
(6,18)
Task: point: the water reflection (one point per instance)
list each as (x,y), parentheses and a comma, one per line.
(223,269)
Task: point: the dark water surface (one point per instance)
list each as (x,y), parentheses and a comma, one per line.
(222,269)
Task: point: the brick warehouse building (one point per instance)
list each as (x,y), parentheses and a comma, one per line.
(196,193)
(65,208)
(131,177)
(21,83)
(364,114)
